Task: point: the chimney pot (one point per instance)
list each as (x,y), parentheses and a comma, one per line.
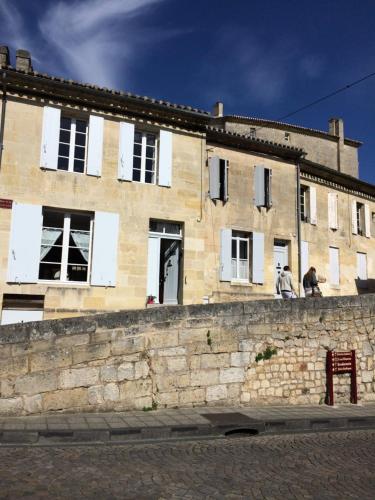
(23,60)
(4,56)
(336,127)
(218,110)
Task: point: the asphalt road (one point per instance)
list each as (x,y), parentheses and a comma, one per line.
(338,465)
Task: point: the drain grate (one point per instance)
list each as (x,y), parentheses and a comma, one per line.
(229,419)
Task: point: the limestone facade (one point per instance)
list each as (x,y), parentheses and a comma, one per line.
(186,201)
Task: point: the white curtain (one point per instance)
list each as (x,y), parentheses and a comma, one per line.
(82,240)
(49,238)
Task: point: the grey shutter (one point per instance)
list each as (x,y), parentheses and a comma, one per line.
(214,172)
(226,255)
(24,244)
(126,150)
(258,258)
(165,158)
(259,192)
(226,180)
(95,146)
(50,138)
(269,187)
(104,249)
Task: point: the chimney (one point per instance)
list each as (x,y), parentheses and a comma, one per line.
(4,56)
(23,60)
(218,110)
(336,128)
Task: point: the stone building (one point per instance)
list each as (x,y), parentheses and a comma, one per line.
(108,198)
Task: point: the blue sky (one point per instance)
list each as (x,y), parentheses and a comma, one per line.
(262,59)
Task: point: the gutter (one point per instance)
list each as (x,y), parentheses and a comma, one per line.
(298,211)
(3,109)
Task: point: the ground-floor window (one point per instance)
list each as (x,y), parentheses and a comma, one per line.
(65,247)
(240,256)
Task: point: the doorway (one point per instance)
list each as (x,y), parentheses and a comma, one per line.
(164,262)
(280,259)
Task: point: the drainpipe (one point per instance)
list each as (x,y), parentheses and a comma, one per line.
(298,184)
(2,123)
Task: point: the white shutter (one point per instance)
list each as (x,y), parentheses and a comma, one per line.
(334,266)
(354,218)
(304,257)
(214,173)
(362,266)
(258,258)
(50,138)
(259,188)
(95,146)
(226,255)
(125,154)
(104,251)
(313,216)
(153,267)
(226,180)
(165,158)
(367,222)
(24,245)
(332,211)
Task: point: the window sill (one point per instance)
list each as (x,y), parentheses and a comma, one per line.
(79,284)
(240,283)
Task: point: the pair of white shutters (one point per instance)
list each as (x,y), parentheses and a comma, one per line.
(333,222)
(355,221)
(50,147)
(25,241)
(226,256)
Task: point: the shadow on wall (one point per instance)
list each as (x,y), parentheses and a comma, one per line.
(365,286)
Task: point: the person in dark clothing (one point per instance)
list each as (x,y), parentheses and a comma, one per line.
(310,284)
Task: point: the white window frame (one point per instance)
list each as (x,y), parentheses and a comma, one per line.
(65,250)
(144,134)
(164,233)
(360,214)
(72,145)
(305,203)
(238,239)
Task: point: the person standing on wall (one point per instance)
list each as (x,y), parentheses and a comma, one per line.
(310,284)
(285,284)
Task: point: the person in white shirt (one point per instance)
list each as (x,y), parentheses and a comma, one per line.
(284,284)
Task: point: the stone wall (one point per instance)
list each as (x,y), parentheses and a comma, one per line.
(186,355)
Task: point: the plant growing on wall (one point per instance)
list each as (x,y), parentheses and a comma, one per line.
(266,354)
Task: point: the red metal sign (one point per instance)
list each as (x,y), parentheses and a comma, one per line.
(6,203)
(338,363)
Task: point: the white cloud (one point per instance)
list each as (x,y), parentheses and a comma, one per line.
(95,39)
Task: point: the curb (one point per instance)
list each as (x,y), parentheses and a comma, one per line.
(178,432)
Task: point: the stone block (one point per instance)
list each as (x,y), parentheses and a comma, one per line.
(33,404)
(168,399)
(204,377)
(72,340)
(167,383)
(125,371)
(62,400)
(90,352)
(193,335)
(367,376)
(217,360)
(162,340)
(229,375)
(11,406)
(172,351)
(78,377)
(111,392)
(57,358)
(127,345)
(95,395)
(216,392)
(191,396)
(36,383)
(141,369)
(13,366)
(132,389)
(238,359)
(176,364)
(108,373)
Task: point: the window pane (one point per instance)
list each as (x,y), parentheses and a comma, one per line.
(81,126)
(79,153)
(63,149)
(156,226)
(64,136)
(137,137)
(77,273)
(81,139)
(149,177)
(53,219)
(62,163)
(150,165)
(137,163)
(137,149)
(50,253)
(243,270)
(150,140)
(234,248)
(79,166)
(65,122)
(234,268)
(136,175)
(243,249)
(150,152)
(78,256)
(49,271)
(80,221)
(171,228)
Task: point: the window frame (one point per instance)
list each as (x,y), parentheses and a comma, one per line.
(64,263)
(143,156)
(237,238)
(72,143)
(360,215)
(304,203)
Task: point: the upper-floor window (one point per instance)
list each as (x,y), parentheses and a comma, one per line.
(361,219)
(262,186)
(72,145)
(218,170)
(65,247)
(360,214)
(240,256)
(308,204)
(144,161)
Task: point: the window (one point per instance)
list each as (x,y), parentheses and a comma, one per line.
(72,145)
(65,248)
(163,227)
(218,178)
(286,137)
(334,266)
(253,133)
(262,186)
(240,256)
(144,159)
(304,203)
(360,214)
